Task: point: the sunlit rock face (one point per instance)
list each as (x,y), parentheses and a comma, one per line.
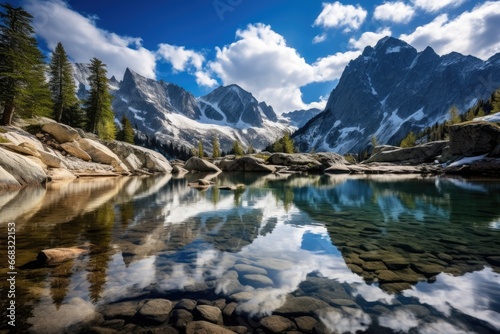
(390,90)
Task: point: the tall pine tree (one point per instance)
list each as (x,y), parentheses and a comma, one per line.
(216,147)
(22,84)
(126,133)
(61,82)
(98,105)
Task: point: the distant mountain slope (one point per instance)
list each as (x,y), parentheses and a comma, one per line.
(392,89)
(299,118)
(173,116)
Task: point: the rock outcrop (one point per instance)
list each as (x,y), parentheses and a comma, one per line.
(412,155)
(21,168)
(199,165)
(137,157)
(475,138)
(246,164)
(59,152)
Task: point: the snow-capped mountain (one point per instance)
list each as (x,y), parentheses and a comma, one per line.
(392,89)
(299,118)
(172,115)
(81,73)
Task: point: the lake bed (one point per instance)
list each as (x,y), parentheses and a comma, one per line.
(309,253)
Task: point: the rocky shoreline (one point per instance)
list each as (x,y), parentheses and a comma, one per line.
(43,150)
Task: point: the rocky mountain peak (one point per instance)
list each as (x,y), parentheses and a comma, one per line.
(392,89)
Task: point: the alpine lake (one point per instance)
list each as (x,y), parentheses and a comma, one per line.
(309,253)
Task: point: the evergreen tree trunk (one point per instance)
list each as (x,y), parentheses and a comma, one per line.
(8,113)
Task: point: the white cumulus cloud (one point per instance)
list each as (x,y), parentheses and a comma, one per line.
(319,38)
(55,22)
(261,62)
(336,15)
(179,57)
(397,12)
(369,38)
(331,67)
(473,32)
(436,5)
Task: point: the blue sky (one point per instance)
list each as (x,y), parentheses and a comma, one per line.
(287,53)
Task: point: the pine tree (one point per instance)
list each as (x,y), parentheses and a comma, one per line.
(215,147)
(288,145)
(61,82)
(495,102)
(126,133)
(200,152)
(454,115)
(237,148)
(74,116)
(277,145)
(98,105)
(36,100)
(22,84)
(409,141)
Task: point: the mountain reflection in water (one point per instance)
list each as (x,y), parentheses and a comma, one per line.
(404,254)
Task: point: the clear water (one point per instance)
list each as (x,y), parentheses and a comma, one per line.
(387,254)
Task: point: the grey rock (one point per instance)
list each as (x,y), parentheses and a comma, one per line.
(102,154)
(123,310)
(297,306)
(306,323)
(180,318)
(22,169)
(248,164)
(416,155)
(205,327)
(277,324)
(474,138)
(228,311)
(186,304)
(200,165)
(256,280)
(149,159)
(26,148)
(176,169)
(249,269)
(51,160)
(337,169)
(7,181)
(296,159)
(208,313)
(61,132)
(73,148)
(155,311)
(273,264)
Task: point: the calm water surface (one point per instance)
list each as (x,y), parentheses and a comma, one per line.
(387,254)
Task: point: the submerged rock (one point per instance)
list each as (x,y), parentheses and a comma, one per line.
(55,255)
(200,327)
(296,306)
(277,324)
(208,313)
(155,311)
